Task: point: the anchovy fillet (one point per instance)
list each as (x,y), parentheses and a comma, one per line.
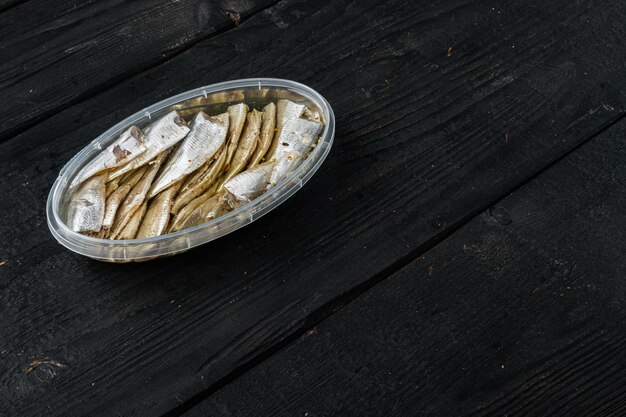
(284,165)
(159,136)
(249,184)
(201,185)
(206,137)
(267,134)
(285,110)
(181,216)
(112,204)
(157,217)
(297,135)
(130,230)
(247,143)
(237,116)
(128,146)
(86,207)
(136,196)
(200,213)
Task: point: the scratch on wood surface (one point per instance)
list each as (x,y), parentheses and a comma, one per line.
(81,45)
(471,247)
(38,362)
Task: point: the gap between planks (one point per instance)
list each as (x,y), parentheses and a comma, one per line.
(336,304)
(11,4)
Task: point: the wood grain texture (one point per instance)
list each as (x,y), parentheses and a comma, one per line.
(519,313)
(7,4)
(55,53)
(424,142)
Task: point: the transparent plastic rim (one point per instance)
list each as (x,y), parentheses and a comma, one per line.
(88,246)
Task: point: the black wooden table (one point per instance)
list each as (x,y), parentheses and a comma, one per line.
(461,252)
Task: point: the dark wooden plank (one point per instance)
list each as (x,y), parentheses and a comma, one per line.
(519,313)
(424,141)
(54,53)
(7,4)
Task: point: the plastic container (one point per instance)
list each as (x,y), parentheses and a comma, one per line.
(213,99)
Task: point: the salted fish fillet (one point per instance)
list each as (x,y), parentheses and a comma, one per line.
(297,135)
(295,141)
(200,213)
(249,184)
(285,110)
(130,230)
(181,216)
(86,205)
(268,125)
(159,136)
(113,203)
(129,145)
(237,115)
(285,164)
(137,195)
(196,188)
(247,143)
(157,217)
(206,137)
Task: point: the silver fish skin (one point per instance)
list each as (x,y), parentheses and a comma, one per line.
(86,206)
(237,114)
(268,123)
(157,217)
(200,172)
(284,165)
(159,136)
(136,196)
(285,110)
(297,135)
(206,137)
(249,184)
(129,145)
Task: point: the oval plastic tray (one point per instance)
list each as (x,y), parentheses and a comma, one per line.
(214,99)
